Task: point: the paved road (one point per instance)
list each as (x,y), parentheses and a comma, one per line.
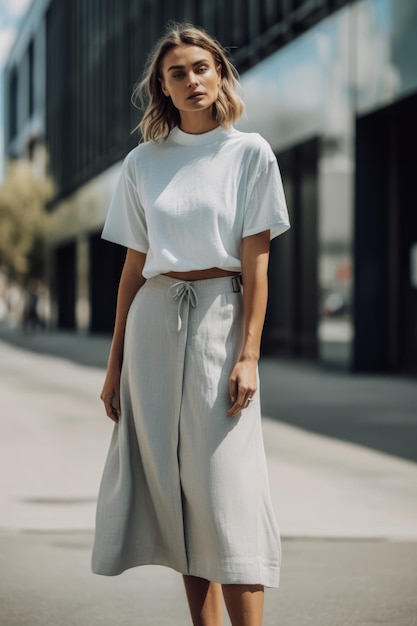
(46,582)
(347,513)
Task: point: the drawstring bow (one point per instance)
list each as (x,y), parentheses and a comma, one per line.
(180,291)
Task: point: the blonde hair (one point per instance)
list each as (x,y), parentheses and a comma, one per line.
(160,115)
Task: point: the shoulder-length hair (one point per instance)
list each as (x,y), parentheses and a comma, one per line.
(160,115)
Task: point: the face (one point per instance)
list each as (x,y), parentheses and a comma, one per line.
(190,78)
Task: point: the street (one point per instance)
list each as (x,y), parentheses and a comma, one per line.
(347,512)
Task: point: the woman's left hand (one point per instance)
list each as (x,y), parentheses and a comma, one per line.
(242,385)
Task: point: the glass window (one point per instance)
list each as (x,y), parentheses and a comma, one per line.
(13,104)
(240,22)
(31,80)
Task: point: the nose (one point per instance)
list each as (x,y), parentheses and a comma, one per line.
(192,79)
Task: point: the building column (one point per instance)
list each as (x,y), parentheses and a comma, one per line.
(82,301)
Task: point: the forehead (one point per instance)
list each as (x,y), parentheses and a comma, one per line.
(185,54)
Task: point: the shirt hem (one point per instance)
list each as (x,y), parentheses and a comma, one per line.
(127,244)
(274,228)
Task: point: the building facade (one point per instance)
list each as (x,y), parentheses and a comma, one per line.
(330,84)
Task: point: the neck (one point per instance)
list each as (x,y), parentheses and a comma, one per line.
(197,124)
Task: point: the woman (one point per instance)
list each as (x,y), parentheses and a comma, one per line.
(185,483)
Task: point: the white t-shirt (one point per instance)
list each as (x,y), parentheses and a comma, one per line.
(187,201)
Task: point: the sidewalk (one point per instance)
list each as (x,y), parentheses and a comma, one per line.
(55,438)
(377,411)
(347,513)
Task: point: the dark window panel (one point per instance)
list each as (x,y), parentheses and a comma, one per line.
(12,104)
(270,14)
(254,19)
(31,79)
(189,13)
(240,22)
(58,111)
(224,20)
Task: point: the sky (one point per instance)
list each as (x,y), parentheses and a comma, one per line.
(11,14)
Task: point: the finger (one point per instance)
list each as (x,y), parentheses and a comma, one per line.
(110,412)
(248,400)
(249,397)
(233,389)
(115,411)
(234,410)
(241,396)
(115,402)
(114,417)
(109,408)
(238,399)
(236,407)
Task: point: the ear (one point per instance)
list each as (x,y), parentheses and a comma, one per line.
(164,89)
(219,74)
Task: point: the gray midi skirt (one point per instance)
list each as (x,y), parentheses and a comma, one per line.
(184,485)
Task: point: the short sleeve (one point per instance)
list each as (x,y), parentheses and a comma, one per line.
(266,207)
(125,223)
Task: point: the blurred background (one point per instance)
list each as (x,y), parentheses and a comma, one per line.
(331,84)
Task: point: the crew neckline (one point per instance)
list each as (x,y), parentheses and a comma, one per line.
(178,136)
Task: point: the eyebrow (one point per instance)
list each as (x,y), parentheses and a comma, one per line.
(181,67)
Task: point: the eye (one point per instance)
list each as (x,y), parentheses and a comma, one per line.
(178,75)
(202,68)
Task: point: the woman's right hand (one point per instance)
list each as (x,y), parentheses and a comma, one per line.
(131,281)
(111,393)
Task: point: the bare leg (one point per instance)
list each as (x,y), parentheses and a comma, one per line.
(245,604)
(205,601)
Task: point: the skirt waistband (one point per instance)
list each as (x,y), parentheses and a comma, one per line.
(204,287)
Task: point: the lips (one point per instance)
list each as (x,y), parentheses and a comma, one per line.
(196,94)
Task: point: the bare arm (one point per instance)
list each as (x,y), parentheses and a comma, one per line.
(131,281)
(255,257)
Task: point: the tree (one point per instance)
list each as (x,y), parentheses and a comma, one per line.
(23,221)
